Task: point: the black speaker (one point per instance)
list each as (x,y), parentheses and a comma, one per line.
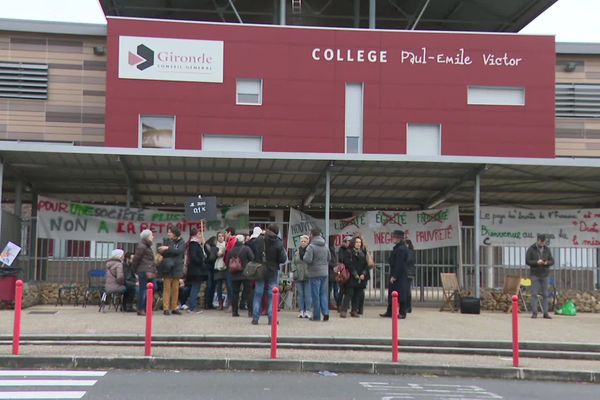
(470,305)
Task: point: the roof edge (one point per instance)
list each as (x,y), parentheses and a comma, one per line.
(577,48)
(35,147)
(69,28)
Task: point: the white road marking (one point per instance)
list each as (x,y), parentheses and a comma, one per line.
(51,373)
(41,395)
(429,391)
(47,382)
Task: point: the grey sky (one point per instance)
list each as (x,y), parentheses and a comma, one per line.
(569,20)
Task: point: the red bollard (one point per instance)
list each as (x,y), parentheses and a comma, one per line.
(17,325)
(274,322)
(149,307)
(395,312)
(515,326)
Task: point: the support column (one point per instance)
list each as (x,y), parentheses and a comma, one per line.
(282,12)
(32,250)
(357,13)
(489,261)
(372,12)
(477,234)
(327,203)
(1,180)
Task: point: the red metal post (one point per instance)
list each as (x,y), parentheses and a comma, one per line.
(515,326)
(395,312)
(17,325)
(274,323)
(149,307)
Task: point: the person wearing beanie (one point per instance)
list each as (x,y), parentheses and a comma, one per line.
(115,279)
(144,267)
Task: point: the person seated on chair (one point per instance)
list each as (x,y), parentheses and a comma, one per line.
(131,283)
(115,279)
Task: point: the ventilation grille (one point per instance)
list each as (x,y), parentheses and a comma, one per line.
(577,100)
(23,81)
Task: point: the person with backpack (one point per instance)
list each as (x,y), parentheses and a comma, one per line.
(239,256)
(268,249)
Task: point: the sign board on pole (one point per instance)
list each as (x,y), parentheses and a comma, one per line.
(9,253)
(201,208)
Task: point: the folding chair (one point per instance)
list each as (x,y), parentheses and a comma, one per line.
(512,285)
(450,290)
(96,280)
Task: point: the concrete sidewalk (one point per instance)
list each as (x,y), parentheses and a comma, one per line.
(423,323)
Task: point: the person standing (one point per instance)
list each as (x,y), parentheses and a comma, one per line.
(268,249)
(245,255)
(359,275)
(131,283)
(411,269)
(196,269)
(333,286)
(317,258)
(398,274)
(539,258)
(300,276)
(343,257)
(145,268)
(171,269)
(221,272)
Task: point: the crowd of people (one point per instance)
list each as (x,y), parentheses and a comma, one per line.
(179,268)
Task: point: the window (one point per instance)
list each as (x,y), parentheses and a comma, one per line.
(232,143)
(423,140)
(249,92)
(78,248)
(23,81)
(578,100)
(157,132)
(495,96)
(354,117)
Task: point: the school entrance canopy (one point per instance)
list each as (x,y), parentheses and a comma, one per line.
(165,178)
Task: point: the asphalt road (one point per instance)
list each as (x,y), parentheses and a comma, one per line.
(165,385)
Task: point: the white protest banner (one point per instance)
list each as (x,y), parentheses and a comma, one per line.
(519,227)
(427,229)
(67,220)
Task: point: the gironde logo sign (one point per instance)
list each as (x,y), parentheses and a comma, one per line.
(167,59)
(143,59)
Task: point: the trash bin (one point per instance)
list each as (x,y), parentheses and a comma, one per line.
(8,278)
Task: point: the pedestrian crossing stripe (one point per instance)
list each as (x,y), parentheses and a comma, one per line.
(47,382)
(41,395)
(61,379)
(51,373)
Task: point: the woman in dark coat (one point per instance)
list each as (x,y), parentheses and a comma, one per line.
(359,275)
(238,279)
(196,268)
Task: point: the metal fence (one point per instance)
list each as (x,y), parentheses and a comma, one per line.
(65,261)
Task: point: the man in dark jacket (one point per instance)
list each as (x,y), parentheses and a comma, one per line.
(130,282)
(398,275)
(196,268)
(244,255)
(539,258)
(268,249)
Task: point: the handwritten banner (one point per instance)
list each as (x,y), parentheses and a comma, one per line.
(520,227)
(67,220)
(427,229)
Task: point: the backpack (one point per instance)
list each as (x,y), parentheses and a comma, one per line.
(342,274)
(235,265)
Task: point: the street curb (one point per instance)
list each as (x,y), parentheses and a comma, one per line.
(377,368)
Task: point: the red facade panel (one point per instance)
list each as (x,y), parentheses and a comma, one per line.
(414,77)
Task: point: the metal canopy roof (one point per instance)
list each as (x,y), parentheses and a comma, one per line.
(165,178)
(447,15)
